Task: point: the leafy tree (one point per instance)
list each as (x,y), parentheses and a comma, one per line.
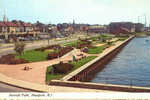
(19,47)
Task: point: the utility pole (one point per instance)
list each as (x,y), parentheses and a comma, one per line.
(138,19)
(145,20)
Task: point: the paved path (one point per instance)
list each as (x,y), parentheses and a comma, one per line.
(35,75)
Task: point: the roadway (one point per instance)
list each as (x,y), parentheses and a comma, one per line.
(7,88)
(6,49)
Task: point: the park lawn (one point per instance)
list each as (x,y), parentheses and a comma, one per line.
(76,66)
(96,50)
(122,39)
(52,76)
(108,35)
(82,62)
(72,44)
(34,56)
(95,38)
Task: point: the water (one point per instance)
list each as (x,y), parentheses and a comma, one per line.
(130,66)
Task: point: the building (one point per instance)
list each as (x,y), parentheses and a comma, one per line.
(3,28)
(20,28)
(139,27)
(40,27)
(121,27)
(11,27)
(27,27)
(97,28)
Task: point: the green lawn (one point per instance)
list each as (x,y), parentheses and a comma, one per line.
(52,76)
(76,65)
(96,50)
(34,56)
(95,38)
(72,44)
(82,62)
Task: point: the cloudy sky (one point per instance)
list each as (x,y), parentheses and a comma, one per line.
(82,11)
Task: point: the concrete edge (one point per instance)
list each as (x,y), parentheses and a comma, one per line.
(92,85)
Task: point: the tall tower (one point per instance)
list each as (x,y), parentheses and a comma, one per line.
(4,17)
(73,25)
(73,22)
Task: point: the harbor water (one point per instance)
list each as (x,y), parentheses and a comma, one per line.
(130,67)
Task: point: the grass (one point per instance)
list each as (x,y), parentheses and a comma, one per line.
(95,38)
(34,56)
(82,62)
(72,44)
(96,50)
(76,66)
(52,76)
(122,39)
(51,51)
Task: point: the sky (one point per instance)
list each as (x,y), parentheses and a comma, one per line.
(82,11)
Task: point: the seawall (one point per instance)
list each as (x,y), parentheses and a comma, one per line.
(88,71)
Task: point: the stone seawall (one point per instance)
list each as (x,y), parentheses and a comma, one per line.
(89,73)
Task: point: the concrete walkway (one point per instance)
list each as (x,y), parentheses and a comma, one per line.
(35,75)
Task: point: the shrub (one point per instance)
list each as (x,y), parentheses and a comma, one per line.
(61,68)
(49,47)
(60,53)
(10,59)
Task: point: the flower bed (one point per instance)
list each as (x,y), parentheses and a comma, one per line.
(10,59)
(49,47)
(60,53)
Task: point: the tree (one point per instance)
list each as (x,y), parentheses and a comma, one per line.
(19,47)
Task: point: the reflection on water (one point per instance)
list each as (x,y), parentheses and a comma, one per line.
(130,66)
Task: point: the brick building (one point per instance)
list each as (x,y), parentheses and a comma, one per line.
(121,27)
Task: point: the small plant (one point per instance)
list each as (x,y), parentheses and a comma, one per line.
(19,47)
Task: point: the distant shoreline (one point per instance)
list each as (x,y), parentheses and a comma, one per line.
(142,34)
